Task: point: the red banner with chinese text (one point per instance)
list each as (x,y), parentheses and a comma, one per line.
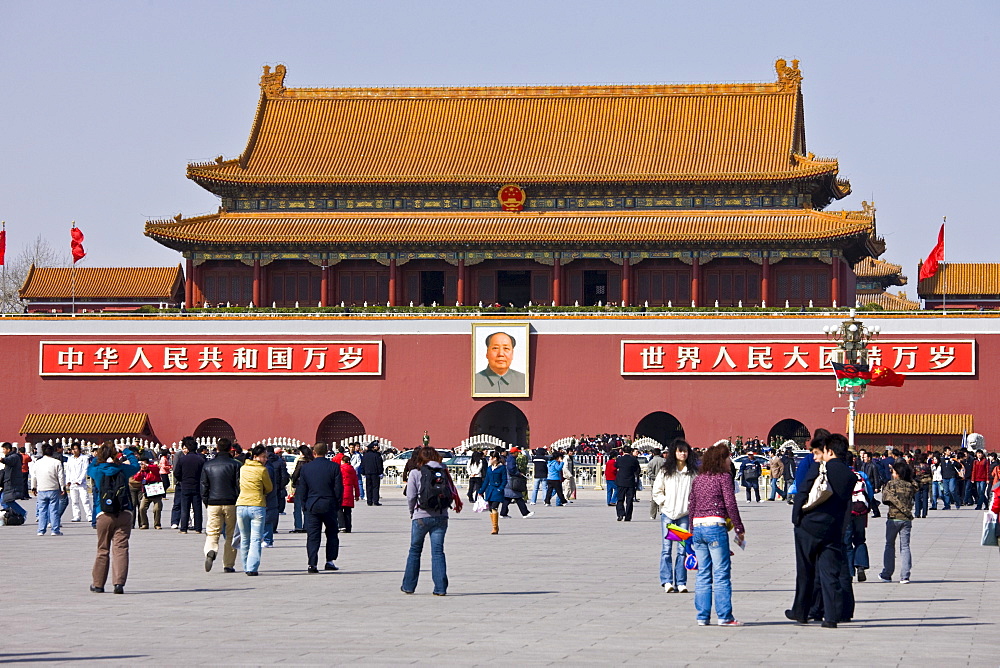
(775,358)
(210,358)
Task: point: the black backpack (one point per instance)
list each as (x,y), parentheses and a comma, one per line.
(752,470)
(435,491)
(12,518)
(113,493)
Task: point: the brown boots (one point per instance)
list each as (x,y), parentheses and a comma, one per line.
(495,519)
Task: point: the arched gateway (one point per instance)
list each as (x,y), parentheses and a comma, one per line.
(337,426)
(789,429)
(660,426)
(503,420)
(215,428)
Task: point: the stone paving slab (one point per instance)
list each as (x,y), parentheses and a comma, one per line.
(568,586)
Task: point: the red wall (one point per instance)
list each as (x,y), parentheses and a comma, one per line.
(576,388)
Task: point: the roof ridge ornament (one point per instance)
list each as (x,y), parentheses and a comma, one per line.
(789,76)
(868,207)
(273,85)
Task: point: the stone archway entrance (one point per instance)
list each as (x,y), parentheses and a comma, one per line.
(335,427)
(215,428)
(503,420)
(660,426)
(789,429)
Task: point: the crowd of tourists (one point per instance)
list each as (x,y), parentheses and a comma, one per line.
(236,497)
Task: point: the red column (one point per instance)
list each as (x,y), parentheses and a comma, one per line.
(256,283)
(188,282)
(696,281)
(557,282)
(765,280)
(835,279)
(324,287)
(393,281)
(196,292)
(626,281)
(461,282)
(263,285)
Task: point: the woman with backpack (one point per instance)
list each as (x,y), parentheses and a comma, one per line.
(494,482)
(426,489)
(114,514)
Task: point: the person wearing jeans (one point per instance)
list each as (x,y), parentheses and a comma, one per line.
(712,502)
(251,507)
(50,486)
(427,521)
(898,494)
(671,492)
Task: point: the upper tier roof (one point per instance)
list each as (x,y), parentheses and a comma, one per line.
(493,229)
(579,134)
(871,267)
(102,282)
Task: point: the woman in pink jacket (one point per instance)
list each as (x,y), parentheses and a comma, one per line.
(352,492)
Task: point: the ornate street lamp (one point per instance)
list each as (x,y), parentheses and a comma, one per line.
(852,337)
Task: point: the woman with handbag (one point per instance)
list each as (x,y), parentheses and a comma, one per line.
(671,492)
(516,488)
(151,481)
(492,489)
(711,504)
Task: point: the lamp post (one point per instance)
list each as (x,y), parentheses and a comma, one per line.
(852,337)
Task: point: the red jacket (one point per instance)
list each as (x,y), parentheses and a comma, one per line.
(352,490)
(611,470)
(980,470)
(996,501)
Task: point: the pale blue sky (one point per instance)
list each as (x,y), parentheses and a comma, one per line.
(104,103)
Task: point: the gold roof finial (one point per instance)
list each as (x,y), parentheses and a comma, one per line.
(273,85)
(789,76)
(868,207)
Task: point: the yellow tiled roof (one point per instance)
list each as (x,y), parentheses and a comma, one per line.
(102,282)
(871,267)
(912,423)
(85,423)
(621,133)
(569,227)
(888,301)
(963,278)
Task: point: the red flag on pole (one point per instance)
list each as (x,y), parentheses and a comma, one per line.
(76,244)
(930,265)
(3,244)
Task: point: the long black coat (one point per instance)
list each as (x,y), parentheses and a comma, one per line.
(826,521)
(11,478)
(321,486)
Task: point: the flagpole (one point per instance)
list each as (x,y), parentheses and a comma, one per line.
(944,272)
(72,278)
(3,226)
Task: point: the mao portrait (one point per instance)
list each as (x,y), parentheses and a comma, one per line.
(500,360)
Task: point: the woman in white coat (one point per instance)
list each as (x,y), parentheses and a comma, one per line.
(671,490)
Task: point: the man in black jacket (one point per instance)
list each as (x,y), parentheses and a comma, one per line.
(819,535)
(371,467)
(322,490)
(540,469)
(220,487)
(12,480)
(187,474)
(626,480)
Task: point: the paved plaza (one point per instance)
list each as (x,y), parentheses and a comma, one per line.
(570,586)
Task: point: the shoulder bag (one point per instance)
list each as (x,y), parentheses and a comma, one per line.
(820,491)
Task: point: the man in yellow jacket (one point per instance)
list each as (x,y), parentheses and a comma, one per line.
(251,507)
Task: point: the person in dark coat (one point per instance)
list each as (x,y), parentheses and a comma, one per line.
(11,480)
(278,471)
(492,488)
(819,534)
(626,479)
(322,488)
(187,474)
(372,469)
(509,495)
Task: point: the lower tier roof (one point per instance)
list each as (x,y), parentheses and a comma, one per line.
(254,231)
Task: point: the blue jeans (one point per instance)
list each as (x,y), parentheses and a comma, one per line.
(711,546)
(49,511)
(920,502)
(776,490)
(437,527)
(951,493)
(13,505)
(297,512)
(250,521)
(612,491)
(672,569)
(981,501)
(894,528)
(936,493)
(270,524)
(361,481)
(540,483)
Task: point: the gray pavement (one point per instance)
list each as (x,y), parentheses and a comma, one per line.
(570,585)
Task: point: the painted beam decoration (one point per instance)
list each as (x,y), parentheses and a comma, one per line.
(210,358)
(741,357)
